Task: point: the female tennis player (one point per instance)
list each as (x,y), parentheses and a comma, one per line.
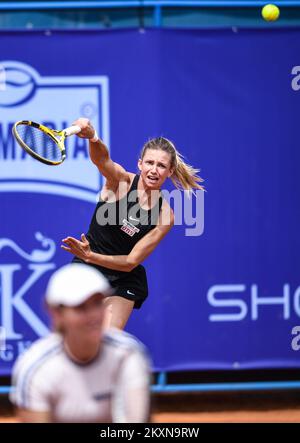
(131,218)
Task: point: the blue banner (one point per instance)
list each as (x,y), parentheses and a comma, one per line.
(224,288)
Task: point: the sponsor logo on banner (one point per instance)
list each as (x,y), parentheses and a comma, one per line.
(237,302)
(38,263)
(55,101)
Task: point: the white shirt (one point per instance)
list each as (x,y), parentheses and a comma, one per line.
(113,387)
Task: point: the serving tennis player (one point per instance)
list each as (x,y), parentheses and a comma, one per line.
(130,219)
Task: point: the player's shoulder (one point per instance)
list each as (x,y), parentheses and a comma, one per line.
(33,368)
(122,184)
(123,340)
(38,353)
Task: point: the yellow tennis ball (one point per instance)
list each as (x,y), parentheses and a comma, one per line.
(270,13)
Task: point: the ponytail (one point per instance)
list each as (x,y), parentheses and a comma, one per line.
(185,177)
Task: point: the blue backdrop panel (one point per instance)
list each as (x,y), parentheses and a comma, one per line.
(228,298)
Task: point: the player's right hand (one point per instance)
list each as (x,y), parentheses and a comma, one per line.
(87,129)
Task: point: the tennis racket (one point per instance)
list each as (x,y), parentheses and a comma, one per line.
(42,143)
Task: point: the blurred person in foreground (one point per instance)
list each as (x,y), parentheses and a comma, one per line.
(79,373)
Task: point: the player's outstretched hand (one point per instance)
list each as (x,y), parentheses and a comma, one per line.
(87,129)
(79,248)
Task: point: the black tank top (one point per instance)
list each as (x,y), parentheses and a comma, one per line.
(117,226)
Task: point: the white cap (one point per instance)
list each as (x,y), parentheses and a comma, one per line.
(73,284)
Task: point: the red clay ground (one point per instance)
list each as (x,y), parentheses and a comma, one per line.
(267,407)
(280,407)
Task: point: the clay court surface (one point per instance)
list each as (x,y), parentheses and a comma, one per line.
(266,407)
(245,407)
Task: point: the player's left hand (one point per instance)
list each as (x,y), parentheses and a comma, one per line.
(79,248)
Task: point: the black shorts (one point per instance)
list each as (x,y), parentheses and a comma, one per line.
(132,285)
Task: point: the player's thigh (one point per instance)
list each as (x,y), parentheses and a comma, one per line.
(118,311)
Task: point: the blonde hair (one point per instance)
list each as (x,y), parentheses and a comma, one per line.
(184,177)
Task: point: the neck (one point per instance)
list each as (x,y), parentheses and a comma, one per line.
(81,352)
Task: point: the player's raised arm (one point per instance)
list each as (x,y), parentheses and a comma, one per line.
(99,153)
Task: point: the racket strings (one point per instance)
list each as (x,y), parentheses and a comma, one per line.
(39,142)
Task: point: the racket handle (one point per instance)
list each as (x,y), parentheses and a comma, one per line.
(72,130)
